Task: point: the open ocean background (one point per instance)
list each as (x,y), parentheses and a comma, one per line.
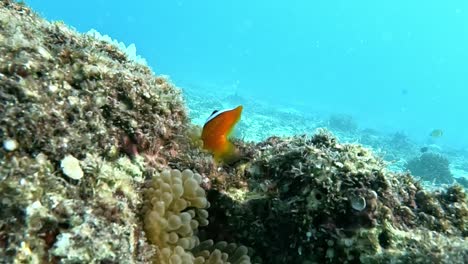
(390,71)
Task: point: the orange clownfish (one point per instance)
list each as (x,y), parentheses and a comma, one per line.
(216,131)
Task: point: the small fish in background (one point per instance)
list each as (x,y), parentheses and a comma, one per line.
(436,133)
(424,149)
(216,130)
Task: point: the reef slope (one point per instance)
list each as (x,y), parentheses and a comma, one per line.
(88,137)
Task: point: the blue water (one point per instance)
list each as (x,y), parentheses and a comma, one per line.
(394,65)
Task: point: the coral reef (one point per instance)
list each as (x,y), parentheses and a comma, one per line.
(68,104)
(314,200)
(94,148)
(45,218)
(431,167)
(82,94)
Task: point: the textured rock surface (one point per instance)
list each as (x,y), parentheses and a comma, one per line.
(314,200)
(68,95)
(84,130)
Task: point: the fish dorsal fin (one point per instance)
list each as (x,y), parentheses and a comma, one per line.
(213,115)
(216,113)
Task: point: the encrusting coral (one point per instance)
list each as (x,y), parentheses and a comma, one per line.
(46,219)
(64,94)
(315,200)
(93,145)
(70,107)
(67,93)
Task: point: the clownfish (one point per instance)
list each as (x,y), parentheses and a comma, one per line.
(216,130)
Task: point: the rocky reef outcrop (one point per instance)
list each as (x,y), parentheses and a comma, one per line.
(100,164)
(315,200)
(69,106)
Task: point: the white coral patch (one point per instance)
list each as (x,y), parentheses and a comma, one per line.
(10,144)
(71,167)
